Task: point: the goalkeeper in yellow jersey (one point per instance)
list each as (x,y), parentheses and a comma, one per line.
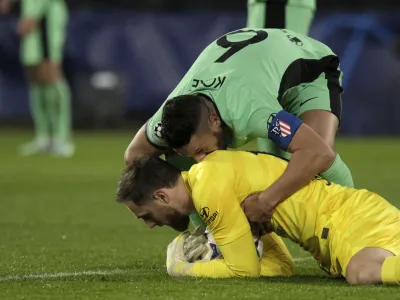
(150,177)
(349,232)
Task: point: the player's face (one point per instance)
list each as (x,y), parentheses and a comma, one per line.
(155,214)
(202,144)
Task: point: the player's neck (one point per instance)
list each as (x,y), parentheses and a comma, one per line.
(187,205)
(191,208)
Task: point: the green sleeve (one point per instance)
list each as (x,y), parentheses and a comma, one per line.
(153,130)
(34,8)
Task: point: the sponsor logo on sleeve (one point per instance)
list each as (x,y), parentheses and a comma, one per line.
(207,216)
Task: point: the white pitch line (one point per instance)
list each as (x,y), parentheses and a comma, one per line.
(85,273)
(60,275)
(299,259)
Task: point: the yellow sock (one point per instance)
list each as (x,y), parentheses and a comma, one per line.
(391,270)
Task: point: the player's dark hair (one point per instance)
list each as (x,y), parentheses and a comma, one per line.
(180,119)
(140,179)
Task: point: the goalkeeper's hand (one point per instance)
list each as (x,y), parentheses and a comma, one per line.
(196,246)
(175,256)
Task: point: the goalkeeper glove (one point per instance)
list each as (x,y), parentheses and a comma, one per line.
(175,254)
(196,246)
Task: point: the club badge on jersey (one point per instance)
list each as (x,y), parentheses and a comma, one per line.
(282,127)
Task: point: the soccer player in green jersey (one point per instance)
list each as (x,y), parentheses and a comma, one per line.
(42,28)
(296,15)
(256,83)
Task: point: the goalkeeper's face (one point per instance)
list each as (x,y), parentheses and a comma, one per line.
(158,212)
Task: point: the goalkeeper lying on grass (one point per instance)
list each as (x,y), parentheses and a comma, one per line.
(145,189)
(353,233)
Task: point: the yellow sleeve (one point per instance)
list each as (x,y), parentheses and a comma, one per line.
(240,259)
(34,8)
(214,197)
(213,193)
(276,259)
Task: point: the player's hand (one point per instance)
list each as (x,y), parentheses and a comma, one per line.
(175,255)
(26,26)
(195,246)
(259,213)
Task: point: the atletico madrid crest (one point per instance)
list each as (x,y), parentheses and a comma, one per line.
(285,128)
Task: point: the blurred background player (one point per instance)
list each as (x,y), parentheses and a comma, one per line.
(42,28)
(296,15)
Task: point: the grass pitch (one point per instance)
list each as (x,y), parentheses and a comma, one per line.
(62,236)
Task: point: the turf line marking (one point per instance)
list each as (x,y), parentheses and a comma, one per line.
(85,273)
(299,259)
(60,275)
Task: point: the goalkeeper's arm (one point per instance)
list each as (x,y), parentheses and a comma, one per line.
(240,259)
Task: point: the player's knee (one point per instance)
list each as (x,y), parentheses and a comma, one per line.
(32,74)
(49,72)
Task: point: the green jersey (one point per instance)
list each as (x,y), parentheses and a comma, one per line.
(249,75)
(38,8)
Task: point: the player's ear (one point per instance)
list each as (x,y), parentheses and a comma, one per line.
(214,120)
(161,196)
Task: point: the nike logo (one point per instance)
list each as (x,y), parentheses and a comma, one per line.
(305,101)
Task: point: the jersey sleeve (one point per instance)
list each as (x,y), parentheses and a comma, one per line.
(214,197)
(239,260)
(213,193)
(34,9)
(154,130)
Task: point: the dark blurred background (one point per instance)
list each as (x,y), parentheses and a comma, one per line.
(123,58)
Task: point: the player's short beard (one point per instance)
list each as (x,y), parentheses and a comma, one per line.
(224,137)
(179,222)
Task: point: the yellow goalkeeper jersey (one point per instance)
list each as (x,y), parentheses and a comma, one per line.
(224,179)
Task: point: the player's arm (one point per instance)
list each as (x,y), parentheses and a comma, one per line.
(140,146)
(214,197)
(311,155)
(148,140)
(212,186)
(31,14)
(240,259)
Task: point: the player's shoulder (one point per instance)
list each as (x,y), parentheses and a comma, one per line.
(213,166)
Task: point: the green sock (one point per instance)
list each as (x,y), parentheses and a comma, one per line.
(38,111)
(59,102)
(64,122)
(339,173)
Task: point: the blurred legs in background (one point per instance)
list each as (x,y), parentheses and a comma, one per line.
(49,94)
